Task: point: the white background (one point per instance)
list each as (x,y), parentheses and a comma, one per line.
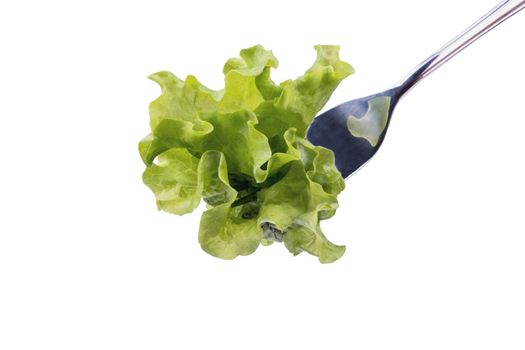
(434,225)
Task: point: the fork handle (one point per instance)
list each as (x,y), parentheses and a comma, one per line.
(498,14)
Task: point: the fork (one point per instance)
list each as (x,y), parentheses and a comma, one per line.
(355,130)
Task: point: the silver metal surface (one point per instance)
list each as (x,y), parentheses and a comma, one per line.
(333,130)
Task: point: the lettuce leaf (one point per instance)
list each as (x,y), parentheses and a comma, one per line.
(243,151)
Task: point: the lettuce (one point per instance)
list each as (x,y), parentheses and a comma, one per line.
(243,151)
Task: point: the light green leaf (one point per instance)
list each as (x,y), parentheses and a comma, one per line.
(306,95)
(242,149)
(181,100)
(294,206)
(225,232)
(234,134)
(241,90)
(174,181)
(319,162)
(301,99)
(213,175)
(180,180)
(300,238)
(268,89)
(324,172)
(252,62)
(173,133)
(294,200)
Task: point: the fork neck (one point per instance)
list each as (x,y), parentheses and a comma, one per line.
(497,15)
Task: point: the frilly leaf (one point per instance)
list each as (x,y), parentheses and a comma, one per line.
(242,149)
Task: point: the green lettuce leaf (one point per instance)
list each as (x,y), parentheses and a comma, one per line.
(180,180)
(174,181)
(300,238)
(299,100)
(234,134)
(295,200)
(227,232)
(243,151)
